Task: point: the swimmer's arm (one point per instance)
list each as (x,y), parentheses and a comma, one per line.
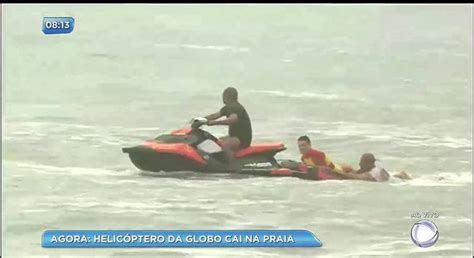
(363,176)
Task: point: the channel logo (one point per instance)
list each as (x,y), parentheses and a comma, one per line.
(424,233)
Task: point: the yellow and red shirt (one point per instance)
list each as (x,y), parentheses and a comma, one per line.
(315,158)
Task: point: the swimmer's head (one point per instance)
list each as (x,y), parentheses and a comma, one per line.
(367,161)
(304,144)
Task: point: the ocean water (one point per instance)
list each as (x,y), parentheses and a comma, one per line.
(392,80)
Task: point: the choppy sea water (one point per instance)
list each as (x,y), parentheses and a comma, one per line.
(392,80)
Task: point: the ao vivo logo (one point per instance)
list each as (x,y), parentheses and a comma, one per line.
(424,233)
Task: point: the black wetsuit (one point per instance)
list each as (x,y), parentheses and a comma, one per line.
(243,128)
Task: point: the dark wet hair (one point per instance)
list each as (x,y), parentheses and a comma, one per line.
(231,93)
(304,138)
(369,157)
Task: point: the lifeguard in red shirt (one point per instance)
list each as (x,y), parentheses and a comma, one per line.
(312,157)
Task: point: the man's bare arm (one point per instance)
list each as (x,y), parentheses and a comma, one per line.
(233,118)
(214,116)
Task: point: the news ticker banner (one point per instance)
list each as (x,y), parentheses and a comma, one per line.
(178,238)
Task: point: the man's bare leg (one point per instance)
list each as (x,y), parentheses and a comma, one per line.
(230,145)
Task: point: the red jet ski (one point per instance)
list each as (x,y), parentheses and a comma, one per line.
(194,149)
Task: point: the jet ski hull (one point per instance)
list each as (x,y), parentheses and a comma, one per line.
(148,160)
(197,150)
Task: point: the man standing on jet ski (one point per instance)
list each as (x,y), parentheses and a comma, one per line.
(238,120)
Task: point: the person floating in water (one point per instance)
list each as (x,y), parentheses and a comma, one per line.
(372,170)
(238,121)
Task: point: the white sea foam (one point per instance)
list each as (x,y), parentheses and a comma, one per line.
(298,95)
(70,171)
(402,136)
(443,179)
(206,47)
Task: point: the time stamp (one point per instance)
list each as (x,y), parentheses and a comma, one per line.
(58,25)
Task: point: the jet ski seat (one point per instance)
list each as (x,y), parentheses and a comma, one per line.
(259,148)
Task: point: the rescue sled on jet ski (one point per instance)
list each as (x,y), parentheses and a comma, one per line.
(194,149)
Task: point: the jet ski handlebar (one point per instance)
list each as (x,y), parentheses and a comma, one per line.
(198,122)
